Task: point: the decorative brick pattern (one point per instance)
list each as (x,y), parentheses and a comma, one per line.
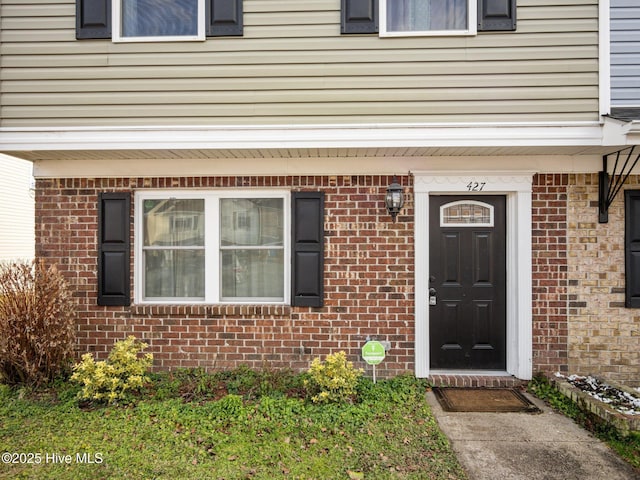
(369,265)
(604,336)
(549,275)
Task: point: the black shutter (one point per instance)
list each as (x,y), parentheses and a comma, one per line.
(224,18)
(93,19)
(632,248)
(359,16)
(113,249)
(496,15)
(307,283)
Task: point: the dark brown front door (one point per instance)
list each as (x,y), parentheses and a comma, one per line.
(467,280)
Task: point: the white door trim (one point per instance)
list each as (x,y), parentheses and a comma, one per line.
(517,187)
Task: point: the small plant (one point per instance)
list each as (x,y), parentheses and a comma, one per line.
(114,379)
(333,380)
(541,387)
(37,323)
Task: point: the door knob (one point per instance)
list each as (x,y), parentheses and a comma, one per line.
(432,296)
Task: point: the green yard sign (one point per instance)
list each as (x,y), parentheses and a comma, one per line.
(373,352)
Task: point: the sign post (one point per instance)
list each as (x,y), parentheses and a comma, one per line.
(373,353)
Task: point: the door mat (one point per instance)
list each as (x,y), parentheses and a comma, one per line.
(458,399)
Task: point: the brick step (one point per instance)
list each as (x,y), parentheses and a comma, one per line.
(470,380)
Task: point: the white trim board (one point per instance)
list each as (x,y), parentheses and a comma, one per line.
(604,51)
(282,165)
(578,134)
(517,186)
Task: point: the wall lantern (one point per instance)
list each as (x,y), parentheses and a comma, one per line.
(394,199)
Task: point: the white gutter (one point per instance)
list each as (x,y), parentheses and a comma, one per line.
(296,136)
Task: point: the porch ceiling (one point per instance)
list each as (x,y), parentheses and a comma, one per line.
(301,153)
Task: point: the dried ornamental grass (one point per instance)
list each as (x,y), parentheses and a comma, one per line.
(37,323)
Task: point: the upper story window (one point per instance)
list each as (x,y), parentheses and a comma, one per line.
(158,20)
(427,17)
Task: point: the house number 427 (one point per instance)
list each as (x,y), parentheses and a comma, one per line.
(476,186)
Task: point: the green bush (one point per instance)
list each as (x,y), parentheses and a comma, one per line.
(37,323)
(113,380)
(333,380)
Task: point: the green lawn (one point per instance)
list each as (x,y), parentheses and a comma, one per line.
(240,425)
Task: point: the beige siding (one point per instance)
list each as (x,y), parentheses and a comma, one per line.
(17,228)
(293,66)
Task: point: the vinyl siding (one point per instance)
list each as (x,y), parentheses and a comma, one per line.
(17,227)
(293,66)
(625,53)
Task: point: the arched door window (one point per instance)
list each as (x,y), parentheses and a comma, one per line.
(466,213)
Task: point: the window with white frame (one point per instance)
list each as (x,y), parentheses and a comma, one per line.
(158,20)
(466,213)
(427,17)
(212,247)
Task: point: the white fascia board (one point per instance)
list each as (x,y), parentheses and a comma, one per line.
(296,136)
(604,61)
(330,165)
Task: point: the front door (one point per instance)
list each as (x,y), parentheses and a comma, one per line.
(467,282)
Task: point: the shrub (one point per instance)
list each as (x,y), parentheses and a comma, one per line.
(333,380)
(114,379)
(37,323)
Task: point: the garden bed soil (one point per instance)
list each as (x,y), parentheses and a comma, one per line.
(624,423)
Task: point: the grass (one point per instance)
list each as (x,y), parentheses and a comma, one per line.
(233,425)
(627,447)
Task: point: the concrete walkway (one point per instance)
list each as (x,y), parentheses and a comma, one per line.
(513,446)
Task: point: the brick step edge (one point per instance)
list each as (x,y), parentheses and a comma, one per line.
(441,380)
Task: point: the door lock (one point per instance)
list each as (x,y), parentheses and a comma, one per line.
(432,297)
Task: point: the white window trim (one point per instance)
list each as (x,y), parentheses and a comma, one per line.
(472,24)
(117,37)
(211,244)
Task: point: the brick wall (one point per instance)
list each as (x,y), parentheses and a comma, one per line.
(604,336)
(549,275)
(580,324)
(369,265)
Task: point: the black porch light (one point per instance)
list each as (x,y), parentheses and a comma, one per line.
(394,199)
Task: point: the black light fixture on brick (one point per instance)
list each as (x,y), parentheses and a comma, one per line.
(394,199)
